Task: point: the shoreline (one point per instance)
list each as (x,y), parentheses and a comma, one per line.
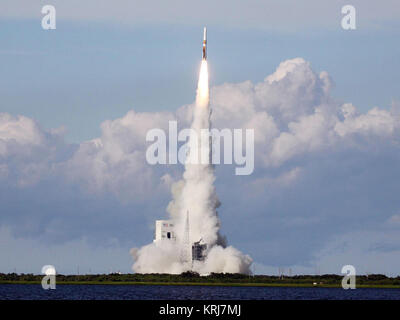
(221,284)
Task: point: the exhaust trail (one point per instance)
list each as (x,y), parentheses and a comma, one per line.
(194,197)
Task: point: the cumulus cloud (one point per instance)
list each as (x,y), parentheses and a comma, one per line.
(27,152)
(376,122)
(322,169)
(116,161)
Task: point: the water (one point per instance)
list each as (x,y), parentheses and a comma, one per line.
(150,292)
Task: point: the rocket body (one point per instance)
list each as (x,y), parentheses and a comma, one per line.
(205,44)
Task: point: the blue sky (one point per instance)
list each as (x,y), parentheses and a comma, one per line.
(331,200)
(85,72)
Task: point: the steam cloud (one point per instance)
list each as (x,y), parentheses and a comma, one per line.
(194,197)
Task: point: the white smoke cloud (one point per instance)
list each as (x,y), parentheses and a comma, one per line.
(227,260)
(195,198)
(158,257)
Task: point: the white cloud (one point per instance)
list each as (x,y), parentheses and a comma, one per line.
(291,111)
(116,161)
(321,167)
(376,122)
(27,152)
(20,130)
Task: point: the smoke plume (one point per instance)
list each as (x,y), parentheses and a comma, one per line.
(195,203)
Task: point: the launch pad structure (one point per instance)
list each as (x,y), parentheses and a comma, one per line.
(199,250)
(196,251)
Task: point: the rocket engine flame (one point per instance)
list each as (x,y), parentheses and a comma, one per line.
(203,91)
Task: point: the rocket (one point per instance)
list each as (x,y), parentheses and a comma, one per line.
(205,44)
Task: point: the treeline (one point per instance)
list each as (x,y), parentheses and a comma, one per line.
(192,277)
